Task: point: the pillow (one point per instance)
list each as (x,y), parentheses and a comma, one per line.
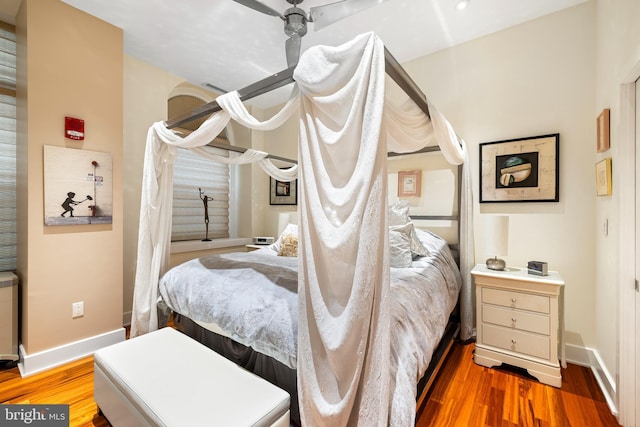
(417,248)
(399,215)
(400,245)
(290,229)
(289,246)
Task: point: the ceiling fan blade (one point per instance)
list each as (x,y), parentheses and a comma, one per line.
(292,47)
(327,14)
(260,7)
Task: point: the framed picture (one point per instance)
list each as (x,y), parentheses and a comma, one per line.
(283,193)
(602,124)
(409,183)
(78,186)
(603,177)
(520,170)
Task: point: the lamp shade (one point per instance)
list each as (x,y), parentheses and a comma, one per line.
(496,235)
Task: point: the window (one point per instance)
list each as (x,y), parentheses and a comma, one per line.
(7,147)
(196,181)
(192,173)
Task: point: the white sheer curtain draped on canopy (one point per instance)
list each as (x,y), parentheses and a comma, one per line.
(346,129)
(156,199)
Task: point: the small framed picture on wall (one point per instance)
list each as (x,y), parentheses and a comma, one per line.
(603,177)
(409,183)
(603,129)
(283,192)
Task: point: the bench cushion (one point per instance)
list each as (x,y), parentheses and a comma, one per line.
(171,379)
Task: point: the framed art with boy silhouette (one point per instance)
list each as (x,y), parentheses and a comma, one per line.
(77,186)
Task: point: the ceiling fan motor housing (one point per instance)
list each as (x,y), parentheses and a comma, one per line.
(296,22)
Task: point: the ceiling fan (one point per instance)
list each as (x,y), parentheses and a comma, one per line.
(295,19)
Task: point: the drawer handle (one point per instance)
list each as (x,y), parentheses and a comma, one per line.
(513,320)
(513,300)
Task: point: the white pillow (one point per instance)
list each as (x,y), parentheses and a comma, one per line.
(400,245)
(399,215)
(290,229)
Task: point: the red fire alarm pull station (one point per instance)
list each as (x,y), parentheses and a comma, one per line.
(74,128)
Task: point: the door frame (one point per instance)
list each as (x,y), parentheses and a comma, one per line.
(626,165)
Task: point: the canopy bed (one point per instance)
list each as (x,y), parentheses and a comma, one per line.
(343,273)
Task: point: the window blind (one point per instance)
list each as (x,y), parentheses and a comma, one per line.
(192,172)
(7,148)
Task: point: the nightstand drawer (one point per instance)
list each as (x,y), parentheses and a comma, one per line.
(522,301)
(516,319)
(517,341)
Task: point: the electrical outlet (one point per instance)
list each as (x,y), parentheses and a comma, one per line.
(77,309)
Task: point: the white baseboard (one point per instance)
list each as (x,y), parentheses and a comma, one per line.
(126,318)
(37,362)
(589,357)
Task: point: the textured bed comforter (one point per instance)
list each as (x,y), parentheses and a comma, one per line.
(252,297)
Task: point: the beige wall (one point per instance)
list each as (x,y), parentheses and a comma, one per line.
(69,63)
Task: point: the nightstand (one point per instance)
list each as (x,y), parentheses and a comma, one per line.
(520,321)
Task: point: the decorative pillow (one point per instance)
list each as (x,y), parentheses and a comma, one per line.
(399,215)
(290,229)
(289,246)
(400,245)
(417,248)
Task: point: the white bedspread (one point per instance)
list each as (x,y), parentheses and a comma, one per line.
(245,304)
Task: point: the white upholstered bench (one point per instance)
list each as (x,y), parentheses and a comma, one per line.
(165,378)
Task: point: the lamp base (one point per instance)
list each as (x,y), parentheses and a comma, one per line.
(496,264)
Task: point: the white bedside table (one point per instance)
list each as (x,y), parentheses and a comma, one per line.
(520,321)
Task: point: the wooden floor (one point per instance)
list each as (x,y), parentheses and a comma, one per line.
(464,394)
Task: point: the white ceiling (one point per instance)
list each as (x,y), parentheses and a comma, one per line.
(230,46)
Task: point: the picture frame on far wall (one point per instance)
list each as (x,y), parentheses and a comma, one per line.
(603,130)
(603,177)
(409,183)
(520,170)
(283,192)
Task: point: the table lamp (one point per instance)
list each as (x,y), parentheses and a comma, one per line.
(496,240)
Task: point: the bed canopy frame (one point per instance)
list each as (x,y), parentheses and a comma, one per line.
(393,69)
(345,216)
(285,77)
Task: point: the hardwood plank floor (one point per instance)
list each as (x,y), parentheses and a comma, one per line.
(70,384)
(464,394)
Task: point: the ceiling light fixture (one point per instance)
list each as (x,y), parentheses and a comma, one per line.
(462,4)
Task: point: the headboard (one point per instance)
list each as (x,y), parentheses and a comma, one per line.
(435,200)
